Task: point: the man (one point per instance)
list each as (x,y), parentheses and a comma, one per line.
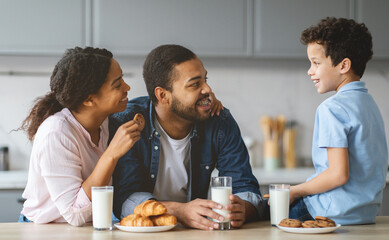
(181,145)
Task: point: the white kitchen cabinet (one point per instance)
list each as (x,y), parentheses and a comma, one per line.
(374,13)
(41,26)
(279,23)
(208,27)
(243,28)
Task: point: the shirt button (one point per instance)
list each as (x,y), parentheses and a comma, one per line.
(207,167)
(156,147)
(156,133)
(152,176)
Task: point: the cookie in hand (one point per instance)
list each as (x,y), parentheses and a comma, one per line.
(138,118)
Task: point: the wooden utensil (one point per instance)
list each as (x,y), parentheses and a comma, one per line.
(266,126)
(280,125)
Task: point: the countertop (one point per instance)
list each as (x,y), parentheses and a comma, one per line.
(18,179)
(13,179)
(282,175)
(254,230)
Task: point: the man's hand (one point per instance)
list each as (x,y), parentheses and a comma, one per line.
(238,211)
(194,213)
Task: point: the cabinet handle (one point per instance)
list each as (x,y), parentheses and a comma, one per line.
(21,200)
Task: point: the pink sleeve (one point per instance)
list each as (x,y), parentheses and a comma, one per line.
(61,167)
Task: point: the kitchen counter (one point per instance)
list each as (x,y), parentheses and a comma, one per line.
(282,175)
(13,179)
(254,230)
(18,179)
(285,175)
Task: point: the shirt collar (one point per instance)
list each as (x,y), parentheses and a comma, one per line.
(355,85)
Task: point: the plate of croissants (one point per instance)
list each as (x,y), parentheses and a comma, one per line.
(149,216)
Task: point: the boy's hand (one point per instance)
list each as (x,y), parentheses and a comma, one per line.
(216,105)
(293,195)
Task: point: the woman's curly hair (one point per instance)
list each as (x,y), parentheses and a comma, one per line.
(79,73)
(342,38)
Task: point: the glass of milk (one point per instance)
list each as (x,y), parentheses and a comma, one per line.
(279,202)
(221,189)
(102,198)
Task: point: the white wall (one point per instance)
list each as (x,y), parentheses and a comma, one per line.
(250,88)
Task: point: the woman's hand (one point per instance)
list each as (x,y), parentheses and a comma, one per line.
(125,137)
(216,105)
(123,140)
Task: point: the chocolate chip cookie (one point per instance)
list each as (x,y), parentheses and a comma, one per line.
(140,120)
(287,222)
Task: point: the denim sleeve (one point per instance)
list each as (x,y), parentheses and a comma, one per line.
(129,180)
(134,200)
(233,160)
(258,202)
(233,157)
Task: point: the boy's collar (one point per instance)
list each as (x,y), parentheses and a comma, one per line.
(355,85)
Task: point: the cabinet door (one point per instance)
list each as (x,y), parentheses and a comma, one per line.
(10,207)
(374,13)
(208,27)
(41,26)
(278,24)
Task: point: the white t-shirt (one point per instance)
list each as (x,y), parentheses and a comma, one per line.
(174,158)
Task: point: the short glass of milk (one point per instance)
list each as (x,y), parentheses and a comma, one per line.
(279,202)
(102,201)
(221,189)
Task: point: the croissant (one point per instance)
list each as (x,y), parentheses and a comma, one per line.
(150,208)
(136,220)
(164,220)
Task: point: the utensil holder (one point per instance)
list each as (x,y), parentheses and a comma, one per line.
(271,155)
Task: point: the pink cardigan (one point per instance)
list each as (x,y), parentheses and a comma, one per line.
(62,157)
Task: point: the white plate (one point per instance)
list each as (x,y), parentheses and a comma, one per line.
(309,230)
(144,229)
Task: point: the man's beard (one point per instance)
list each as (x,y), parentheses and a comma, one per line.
(187,113)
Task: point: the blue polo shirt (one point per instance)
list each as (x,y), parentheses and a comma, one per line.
(350,119)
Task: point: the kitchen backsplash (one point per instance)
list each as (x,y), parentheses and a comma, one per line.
(250,88)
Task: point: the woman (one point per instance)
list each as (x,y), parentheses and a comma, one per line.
(69,127)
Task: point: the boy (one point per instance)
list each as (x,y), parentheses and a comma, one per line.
(349,149)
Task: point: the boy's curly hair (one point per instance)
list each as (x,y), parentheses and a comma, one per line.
(342,38)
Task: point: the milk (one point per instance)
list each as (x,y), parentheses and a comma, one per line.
(102,200)
(279,205)
(221,195)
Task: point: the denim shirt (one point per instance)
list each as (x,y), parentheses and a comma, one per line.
(215,143)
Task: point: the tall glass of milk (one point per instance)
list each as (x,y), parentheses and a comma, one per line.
(279,202)
(102,198)
(221,189)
